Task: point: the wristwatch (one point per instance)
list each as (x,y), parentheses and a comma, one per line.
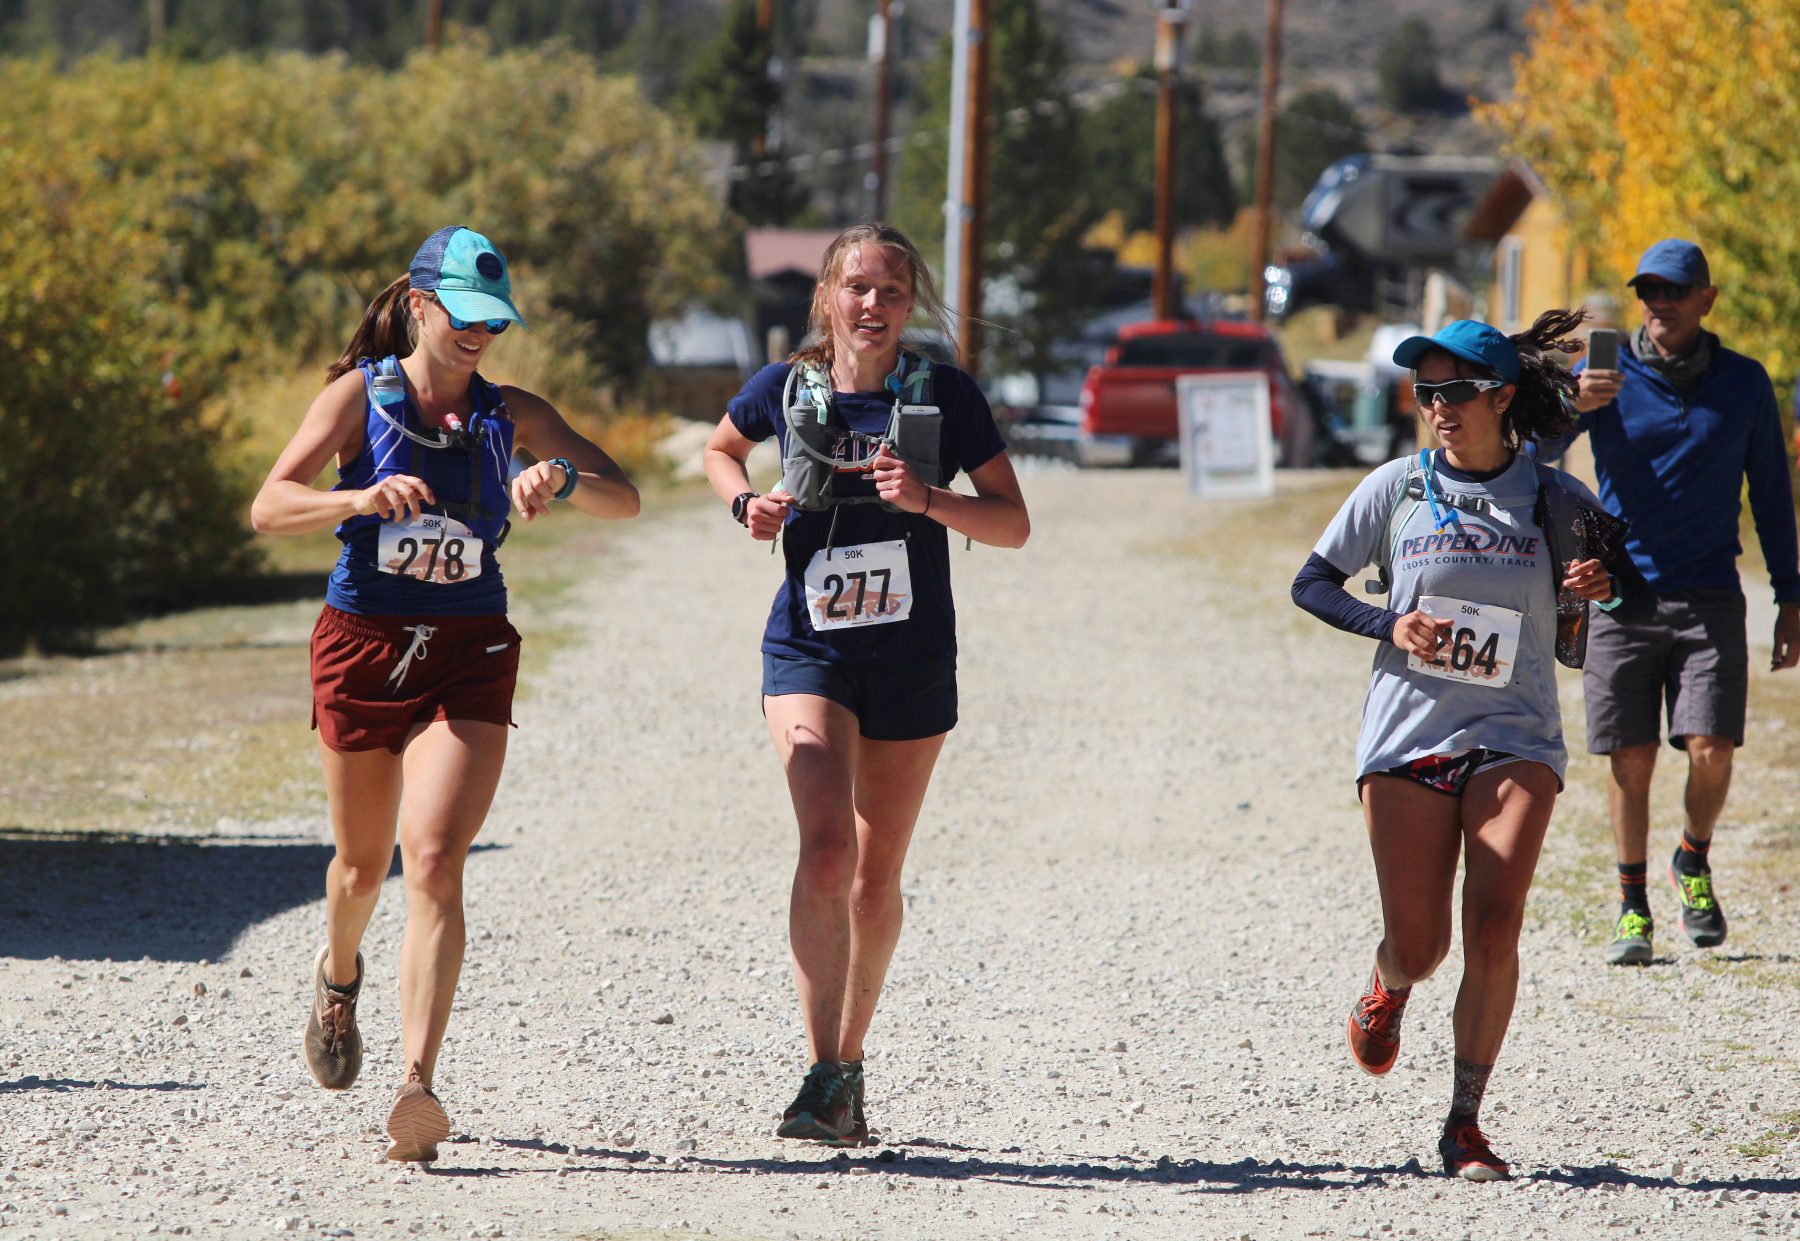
(740,507)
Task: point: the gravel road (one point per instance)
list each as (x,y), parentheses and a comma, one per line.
(1139,907)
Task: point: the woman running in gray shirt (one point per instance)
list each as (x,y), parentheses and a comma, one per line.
(1461,748)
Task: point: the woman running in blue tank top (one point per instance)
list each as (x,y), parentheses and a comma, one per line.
(413,659)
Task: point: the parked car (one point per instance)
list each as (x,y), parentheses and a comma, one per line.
(1128,409)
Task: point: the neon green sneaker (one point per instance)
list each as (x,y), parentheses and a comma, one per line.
(1631,939)
(1701,918)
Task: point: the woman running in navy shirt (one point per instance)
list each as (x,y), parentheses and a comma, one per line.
(859,654)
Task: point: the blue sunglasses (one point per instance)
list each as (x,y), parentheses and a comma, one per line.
(494,326)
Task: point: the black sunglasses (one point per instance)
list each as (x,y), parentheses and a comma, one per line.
(1656,291)
(1454,391)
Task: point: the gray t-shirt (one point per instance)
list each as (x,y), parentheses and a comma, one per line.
(1497,558)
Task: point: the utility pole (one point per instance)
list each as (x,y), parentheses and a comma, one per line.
(1170,25)
(1265,163)
(971,214)
(434,23)
(765,22)
(881,50)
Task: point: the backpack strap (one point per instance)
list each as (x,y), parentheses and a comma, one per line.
(914,388)
(1418,488)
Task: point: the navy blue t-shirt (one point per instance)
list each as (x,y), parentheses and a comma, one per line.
(970,441)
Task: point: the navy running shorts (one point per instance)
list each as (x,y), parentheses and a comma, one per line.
(891,702)
(375,678)
(1692,659)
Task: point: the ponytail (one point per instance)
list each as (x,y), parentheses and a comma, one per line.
(1540,410)
(387,328)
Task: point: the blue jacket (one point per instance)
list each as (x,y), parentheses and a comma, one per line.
(1673,464)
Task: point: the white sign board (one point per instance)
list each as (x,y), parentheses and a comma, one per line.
(1227,446)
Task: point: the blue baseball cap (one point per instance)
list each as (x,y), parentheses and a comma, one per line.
(1468,340)
(467,272)
(1678,262)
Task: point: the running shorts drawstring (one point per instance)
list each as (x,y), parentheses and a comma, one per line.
(421,635)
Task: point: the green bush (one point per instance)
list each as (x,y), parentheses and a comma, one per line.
(116,503)
(237,215)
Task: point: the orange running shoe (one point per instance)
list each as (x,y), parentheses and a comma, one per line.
(1467,1154)
(1374,1026)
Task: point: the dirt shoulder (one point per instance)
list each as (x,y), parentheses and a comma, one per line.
(1139,906)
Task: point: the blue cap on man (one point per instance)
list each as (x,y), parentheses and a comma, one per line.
(1469,340)
(1678,262)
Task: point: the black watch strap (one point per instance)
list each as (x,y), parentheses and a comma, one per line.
(740,507)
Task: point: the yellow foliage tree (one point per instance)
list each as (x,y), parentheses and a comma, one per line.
(1674,118)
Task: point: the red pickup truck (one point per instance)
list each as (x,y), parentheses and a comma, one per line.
(1128,412)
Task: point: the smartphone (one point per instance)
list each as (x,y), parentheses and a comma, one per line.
(1603,349)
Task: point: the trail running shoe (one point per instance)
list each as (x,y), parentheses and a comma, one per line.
(333,1045)
(1631,939)
(416,1124)
(1467,1154)
(821,1112)
(1374,1026)
(853,1078)
(1701,918)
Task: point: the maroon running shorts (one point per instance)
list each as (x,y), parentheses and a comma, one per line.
(375,678)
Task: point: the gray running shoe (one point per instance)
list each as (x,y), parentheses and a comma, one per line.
(416,1124)
(1631,939)
(853,1078)
(333,1044)
(1702,919)
(821,1112)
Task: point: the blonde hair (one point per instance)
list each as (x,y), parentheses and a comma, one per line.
(831,273)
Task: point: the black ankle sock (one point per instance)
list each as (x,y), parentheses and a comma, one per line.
(1632,895)
(1690,859)
(340,989)
(1465,1094)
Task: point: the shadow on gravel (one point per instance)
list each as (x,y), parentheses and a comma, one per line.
(1592,1177)
(125,897)
(63,1085)
(1245,1176)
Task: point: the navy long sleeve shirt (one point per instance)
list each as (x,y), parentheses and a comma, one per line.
(1673,462)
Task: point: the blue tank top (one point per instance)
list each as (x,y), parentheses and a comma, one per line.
(469,481)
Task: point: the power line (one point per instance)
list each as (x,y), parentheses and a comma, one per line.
(1082,101)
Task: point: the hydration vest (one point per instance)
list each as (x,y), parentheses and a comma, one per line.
(467,469)
(815,451)
(1573,530)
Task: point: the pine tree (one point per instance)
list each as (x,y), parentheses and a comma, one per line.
(1038,208)
(1121,169)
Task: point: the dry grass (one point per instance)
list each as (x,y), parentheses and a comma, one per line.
(188,723)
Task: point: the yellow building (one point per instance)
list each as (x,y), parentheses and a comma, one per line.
(1537,263)
(1537,266)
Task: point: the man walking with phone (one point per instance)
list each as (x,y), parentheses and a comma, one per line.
(1676,429)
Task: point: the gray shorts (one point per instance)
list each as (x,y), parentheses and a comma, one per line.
(1692,657)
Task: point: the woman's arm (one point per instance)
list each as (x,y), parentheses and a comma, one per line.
(1319,589)
(994,515)
(724,459)
(288,503)
(602,489)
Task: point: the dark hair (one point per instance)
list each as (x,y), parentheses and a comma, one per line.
(387,328)
(1538,410)
(882,237)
